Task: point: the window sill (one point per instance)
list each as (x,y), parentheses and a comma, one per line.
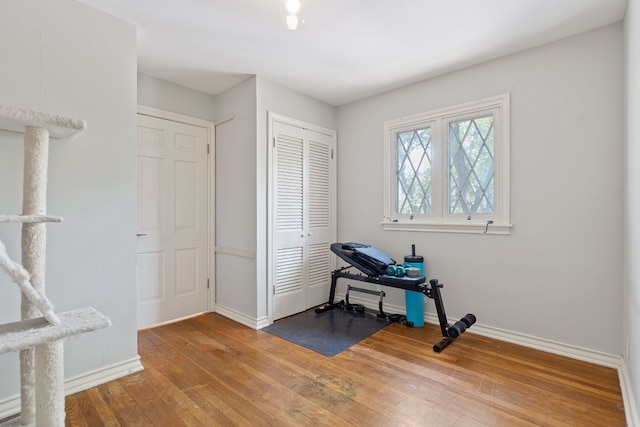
(468,228)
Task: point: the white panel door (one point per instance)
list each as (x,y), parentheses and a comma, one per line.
(302,225)
(172,232)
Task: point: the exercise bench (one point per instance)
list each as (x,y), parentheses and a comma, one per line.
(357,255)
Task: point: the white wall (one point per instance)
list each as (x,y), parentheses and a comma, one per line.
(279,99)
(558,275)
(235,243)
(631,293)
(167,96)
(62,57)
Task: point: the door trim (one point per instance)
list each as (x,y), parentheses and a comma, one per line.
(210,127)
(271,117)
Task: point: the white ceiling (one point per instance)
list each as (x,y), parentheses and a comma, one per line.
(348,49)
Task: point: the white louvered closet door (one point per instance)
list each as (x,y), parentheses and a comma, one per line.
(319,219)
(302,218)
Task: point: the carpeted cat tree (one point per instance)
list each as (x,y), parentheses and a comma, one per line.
(38,335)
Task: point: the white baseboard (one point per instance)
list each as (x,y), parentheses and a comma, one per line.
(11,406)
(168,322)
(242,318)
(549,346)
(630,409)
(102,375)
(543,344)
(263,322)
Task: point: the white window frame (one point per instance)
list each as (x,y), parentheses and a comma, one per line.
(440,220)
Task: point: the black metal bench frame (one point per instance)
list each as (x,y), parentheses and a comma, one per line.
(416,284)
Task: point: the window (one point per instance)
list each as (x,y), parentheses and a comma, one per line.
(448,170)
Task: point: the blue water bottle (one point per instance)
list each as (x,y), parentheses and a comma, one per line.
(414,301)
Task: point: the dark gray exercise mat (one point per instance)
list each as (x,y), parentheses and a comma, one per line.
(327,333)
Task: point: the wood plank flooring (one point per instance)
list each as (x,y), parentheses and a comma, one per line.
(210,371)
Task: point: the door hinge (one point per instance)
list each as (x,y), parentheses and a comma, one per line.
(207,283)
(332,153)
(208,146)
(274,141)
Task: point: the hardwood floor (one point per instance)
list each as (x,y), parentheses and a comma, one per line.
(209,371)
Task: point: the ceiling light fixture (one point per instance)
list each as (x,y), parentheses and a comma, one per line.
(292,7)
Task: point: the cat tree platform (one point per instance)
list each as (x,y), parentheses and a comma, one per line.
(28,333)
(15,119)
(30,219)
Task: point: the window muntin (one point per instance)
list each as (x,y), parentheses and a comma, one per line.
(448,170)
(413,171)
(471,165)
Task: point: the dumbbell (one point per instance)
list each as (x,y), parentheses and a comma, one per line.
(395,270)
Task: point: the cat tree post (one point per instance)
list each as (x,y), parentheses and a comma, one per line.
(45,358)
